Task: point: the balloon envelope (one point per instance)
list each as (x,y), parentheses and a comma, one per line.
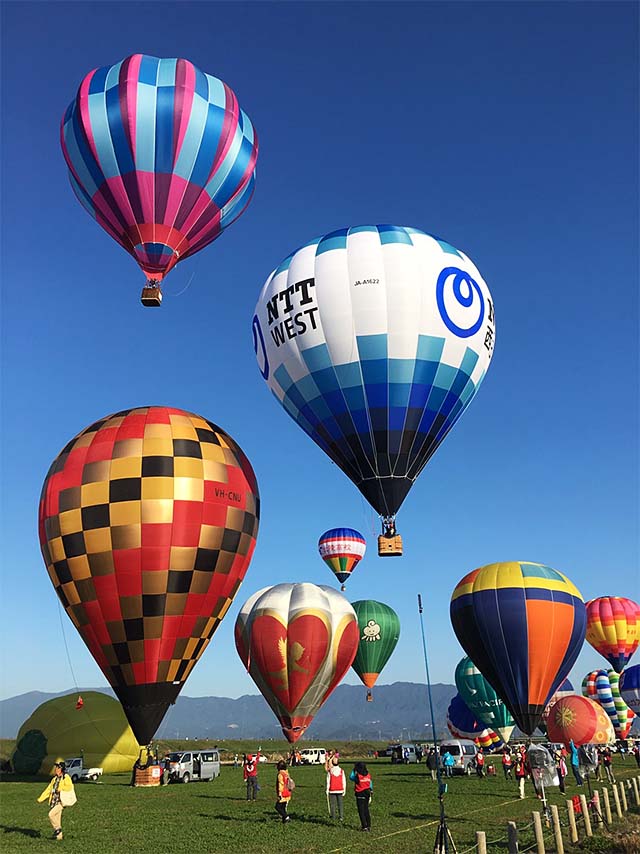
(462,723)
(297,641)
(603,687)
(565,690)
(379,631)
(630,687)
(375,339)
(613,628)
(523,625)
(482,700)
(342,549)
(161,155)
(148,521)
(579,719)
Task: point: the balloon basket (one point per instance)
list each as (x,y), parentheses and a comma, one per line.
(151,296)
(149,776)
(390,546)
(369,697)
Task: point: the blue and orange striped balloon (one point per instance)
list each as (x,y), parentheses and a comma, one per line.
(161,155)
(342,549)
(523,625)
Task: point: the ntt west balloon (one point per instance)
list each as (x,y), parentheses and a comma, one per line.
(375,339)
(481,699)
(297,641)
(148,521)
(379,631)
(162,157)
(613,628)
(523,625)
(342,549)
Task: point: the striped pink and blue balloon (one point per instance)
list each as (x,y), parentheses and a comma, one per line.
(161,155)
(342,549)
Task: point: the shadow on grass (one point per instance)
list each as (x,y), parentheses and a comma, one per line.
(25,831)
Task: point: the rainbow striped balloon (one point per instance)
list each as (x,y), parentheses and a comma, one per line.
(342,549)
(613,628)
(523,625)
(604,687)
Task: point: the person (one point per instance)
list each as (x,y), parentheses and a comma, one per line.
(235,760)
(575,763)
(506,764)
(61,782)
(521,771)
(432,763)
(336,787)
(284,786)
(363,787)
(166,771)
(250,774)
(480,763)
(405,755)
(448,761)
(607,759)
(561,768)
(636,753)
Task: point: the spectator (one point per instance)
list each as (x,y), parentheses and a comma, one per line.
(448,761)
(363,788)
(336,787)
(432,763)
(506,764)
(61,783)
(284,787)
(575,763)
(250,774)
(521,771)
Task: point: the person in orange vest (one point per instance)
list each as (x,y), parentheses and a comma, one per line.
(480,763)
(284,787)
(506,764)
(363,789)
(521,771)
(336,787)
(250,774)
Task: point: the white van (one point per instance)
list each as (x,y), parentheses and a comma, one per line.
(193,765)
(313,756)
(403,754)
(463,751)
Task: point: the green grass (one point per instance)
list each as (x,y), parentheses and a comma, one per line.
(214,817)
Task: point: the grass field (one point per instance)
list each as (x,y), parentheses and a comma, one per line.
(214,817)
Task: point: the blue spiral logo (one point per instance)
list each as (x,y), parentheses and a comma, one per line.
(464,290)
(259,347)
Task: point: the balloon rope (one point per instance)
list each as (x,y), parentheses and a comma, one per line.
(188,285)
(66,647)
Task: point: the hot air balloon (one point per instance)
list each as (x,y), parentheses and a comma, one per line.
(565,690)
(342,549)
(162,157)
(148,520)
(630,688)
(523,625)
(297,641)
(578,719)
(375,340)
(603,687)
(379,630)
(613,629)
(462,723)
(482,700)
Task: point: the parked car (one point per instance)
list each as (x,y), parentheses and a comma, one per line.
(463,751)
(193,765)
(403,753)
(313,756)
(77,771)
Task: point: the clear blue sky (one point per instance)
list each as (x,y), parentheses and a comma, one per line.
(509,129)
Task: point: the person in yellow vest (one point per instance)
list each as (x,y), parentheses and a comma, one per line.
(61,782)
(284,787)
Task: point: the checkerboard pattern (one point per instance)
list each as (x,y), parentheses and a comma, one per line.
(148,521)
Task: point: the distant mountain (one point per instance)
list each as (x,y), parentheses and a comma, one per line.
(398,711)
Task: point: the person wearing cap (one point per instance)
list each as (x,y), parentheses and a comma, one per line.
(250,774)
(61,782)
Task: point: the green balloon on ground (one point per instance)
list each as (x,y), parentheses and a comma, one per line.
(99,732)
(379,627)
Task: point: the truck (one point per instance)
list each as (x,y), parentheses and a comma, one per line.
(185,766)
(76,770)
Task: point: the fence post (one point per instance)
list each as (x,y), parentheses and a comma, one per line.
(481,841)
(537,829)
(585,815)
(616,799)
(623,795)
(573,830)
(607,806)
(596,807)
(557,831)
(636,791)
(512,833)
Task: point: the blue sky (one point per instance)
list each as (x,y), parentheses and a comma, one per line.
(508,129)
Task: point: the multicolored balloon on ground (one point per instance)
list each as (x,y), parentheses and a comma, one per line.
(297,641)
(342,549)
(462,723)
(148,521)
(630,687)
(579,719)
(523,625)
(603,687)
(565,690)
(375,339)
(613,628)
(482,700)
(161,155)
(379,630)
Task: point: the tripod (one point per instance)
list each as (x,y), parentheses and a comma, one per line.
(444,843)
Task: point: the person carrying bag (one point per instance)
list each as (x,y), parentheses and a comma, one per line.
(60,793)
